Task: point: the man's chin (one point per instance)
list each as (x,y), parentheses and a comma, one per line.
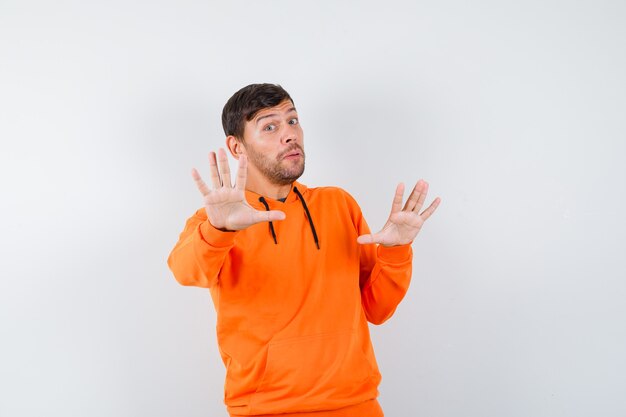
(294,170)
(290,176)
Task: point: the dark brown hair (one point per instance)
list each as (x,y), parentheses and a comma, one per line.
(247,102)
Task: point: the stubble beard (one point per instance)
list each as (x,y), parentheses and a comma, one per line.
(278,171)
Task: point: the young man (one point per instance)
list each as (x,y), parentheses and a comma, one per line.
(294,273)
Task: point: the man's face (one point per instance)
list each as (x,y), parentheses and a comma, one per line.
(273,140)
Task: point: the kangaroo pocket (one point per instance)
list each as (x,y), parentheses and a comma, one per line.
(307,372)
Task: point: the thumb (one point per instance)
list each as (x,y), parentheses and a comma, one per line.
(269,216)
(366,239)
(274,215)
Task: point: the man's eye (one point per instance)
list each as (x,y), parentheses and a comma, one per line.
(269,128)
(293,122)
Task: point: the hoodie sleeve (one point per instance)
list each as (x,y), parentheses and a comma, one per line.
(385,272)
(385,277)
(201,250)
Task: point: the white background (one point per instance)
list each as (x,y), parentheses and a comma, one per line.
(513,111)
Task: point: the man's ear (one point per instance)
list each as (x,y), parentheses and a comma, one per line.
(235,146)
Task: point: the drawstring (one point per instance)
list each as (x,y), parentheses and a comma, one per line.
(267,208)
(306,210)
(308,215)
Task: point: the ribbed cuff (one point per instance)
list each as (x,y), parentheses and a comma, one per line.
(215,237)
(395,254)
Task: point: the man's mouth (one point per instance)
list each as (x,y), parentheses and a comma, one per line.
(292,155)
(295,153)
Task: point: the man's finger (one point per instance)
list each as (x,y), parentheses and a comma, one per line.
(396,205)
(222,160)
(199,182)
(242,173)
(268,216)
(215,175)
(422,198)
(416,195)
(368,239)
(431,209)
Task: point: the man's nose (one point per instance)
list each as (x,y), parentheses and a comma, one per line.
(290,135)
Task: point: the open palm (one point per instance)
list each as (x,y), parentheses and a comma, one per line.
(404,223)
(225,204)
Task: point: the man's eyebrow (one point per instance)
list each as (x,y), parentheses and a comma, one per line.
(293,109)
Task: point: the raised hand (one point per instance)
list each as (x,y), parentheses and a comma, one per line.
(225,205)
(404,223)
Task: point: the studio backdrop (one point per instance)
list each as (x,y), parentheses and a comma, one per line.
(513,111)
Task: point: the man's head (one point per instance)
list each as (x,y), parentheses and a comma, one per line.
(261,121)
(247,102)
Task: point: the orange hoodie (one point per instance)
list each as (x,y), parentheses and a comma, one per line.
(291,316)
